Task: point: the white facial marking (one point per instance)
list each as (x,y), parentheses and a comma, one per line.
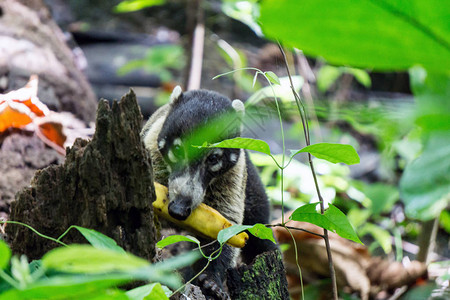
(216,167)
(161,143)
(177,142)
(172,157)
(175,94)
(233,157)
(217,151)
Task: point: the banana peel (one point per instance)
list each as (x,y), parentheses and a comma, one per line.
(204,219)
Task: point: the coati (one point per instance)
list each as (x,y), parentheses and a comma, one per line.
(224,179)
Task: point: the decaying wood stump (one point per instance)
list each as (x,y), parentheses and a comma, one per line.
(265,278)
(105,184)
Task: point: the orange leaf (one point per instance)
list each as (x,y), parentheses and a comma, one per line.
(14,115)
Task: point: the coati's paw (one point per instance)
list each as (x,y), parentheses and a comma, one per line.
(211,289)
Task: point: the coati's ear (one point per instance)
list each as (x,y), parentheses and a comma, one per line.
(238,107)
(176,93)
(240,110)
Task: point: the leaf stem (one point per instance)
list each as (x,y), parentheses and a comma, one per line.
(304,118)
(35,231)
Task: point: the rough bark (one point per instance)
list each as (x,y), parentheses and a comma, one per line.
(105,184)
(265,278)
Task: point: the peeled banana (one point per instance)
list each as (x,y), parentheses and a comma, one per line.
(204,219)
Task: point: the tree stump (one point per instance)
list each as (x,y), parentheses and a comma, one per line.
(105,184)
(265,278)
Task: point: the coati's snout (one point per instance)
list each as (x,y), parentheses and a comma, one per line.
(180,208)
(187,188)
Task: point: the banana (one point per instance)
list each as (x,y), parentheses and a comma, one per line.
(204,219)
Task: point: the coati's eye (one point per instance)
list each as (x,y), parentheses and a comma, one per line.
(176,153)
(214,158)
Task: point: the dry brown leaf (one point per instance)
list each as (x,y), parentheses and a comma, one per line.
(355,268)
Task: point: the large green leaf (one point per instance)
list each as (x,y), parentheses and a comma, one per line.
(69,287)
(333,220)
(378,34)
(87,259)
(334,153)
(425,183)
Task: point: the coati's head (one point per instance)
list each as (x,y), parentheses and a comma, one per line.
(197,117)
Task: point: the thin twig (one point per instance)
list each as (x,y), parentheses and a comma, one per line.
(304,118)
(295,228)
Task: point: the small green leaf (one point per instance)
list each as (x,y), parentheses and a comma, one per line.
(360,75)
(227,233)
(99,240)
(254,79)
(272,77)
(172,239)
(262,232)
(341,223)
(380,235)
(5,254)
(244,143)
(333,220)
(20,270)
(134,5)
(148,291)
(87,259)
(334,153)
(326,76)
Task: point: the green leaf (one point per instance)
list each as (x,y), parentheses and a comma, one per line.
(254,79)
(20,270)
(99,240)
(382,196)
(326,76)
(134,5)
(380,235)
(341,223)
(262,232)
(334,153)
(68,287)
(172,239)
(425,183)
(5,254)
(360,75)
(244,143)
(272,77)
(333,220)
(225,234)
(380,35)
(149,291)
(87,259)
